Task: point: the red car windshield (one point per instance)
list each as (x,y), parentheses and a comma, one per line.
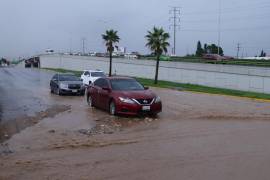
(126,85)
(97,74)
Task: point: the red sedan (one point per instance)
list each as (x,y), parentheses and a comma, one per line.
(123,95)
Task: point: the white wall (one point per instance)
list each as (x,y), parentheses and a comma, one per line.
(256,79)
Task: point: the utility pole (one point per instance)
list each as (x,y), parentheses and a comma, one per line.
(238,49)
(175,11)
(70,45)
(83,45)
(219,19)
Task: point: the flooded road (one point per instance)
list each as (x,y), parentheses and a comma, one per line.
(22,92)
(197,136)
(24,99)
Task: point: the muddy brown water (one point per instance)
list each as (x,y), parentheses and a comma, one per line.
(197,136)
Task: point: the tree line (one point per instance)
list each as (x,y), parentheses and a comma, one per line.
(208,49)
(263,54)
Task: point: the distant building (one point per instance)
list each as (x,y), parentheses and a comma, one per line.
(131,56)
(119,51)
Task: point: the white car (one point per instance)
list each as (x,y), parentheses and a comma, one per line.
(89,76)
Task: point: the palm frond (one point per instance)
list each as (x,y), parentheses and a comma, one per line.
(110,37)
(157,40)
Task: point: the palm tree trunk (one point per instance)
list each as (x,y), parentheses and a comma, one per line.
(110,70)
(157,67)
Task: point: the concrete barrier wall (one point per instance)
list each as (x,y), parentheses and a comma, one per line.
(255,79)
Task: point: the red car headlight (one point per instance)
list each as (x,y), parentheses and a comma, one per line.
(126,100)
(157,100)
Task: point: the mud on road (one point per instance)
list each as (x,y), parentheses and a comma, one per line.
(197,136)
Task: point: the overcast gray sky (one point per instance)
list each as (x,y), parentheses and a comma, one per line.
(32,26)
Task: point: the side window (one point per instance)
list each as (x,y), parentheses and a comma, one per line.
(98,82)
(101,83)
(55,76)
(86,73)
(104,83)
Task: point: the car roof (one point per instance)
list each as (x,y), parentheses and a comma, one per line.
(65,74)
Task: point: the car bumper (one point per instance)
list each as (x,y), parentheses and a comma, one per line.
(72,91)
(136,109)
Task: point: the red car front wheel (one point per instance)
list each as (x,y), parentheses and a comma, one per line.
(89,100)
(112,108)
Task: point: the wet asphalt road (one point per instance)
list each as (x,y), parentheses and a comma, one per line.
(25,99)
(22,92)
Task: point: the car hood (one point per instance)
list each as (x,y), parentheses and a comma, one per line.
(144,94)
(70,82)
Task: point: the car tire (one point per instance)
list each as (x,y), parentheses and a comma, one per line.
(112,108)
(54,91)
(51,90)
(89,100)
(58,92)
(82,93)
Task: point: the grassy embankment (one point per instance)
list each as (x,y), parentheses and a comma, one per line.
(186,87)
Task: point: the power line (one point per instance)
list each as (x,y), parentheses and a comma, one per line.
(229,11)
(247,28)
(176,19)
(230,19)
(235,9)
(224,30)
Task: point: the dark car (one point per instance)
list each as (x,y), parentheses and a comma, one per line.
(213,57)
(123,95)
(27,63)
(66,84)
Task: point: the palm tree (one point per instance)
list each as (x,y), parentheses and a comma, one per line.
(157,41)
(110,37)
